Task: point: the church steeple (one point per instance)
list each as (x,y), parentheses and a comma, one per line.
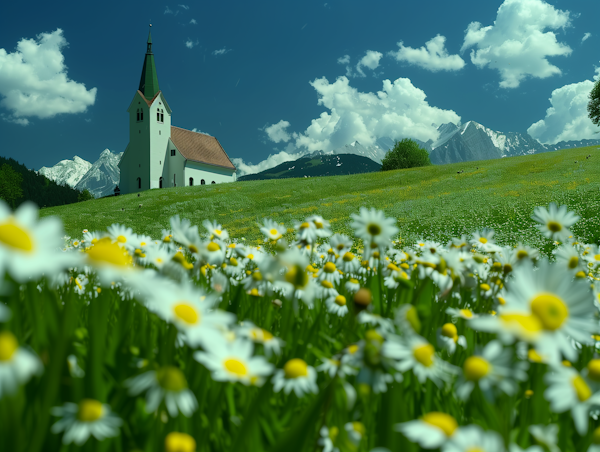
(149,80)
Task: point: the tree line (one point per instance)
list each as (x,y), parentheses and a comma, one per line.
(19,184)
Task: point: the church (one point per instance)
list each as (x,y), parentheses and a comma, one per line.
(160,155)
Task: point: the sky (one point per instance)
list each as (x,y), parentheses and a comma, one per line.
(271,78)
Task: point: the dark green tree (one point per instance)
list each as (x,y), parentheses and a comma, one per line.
(405,154)
(85,195)
(10,185)
(594,104)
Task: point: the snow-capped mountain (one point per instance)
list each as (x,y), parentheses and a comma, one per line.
(67,172)
(103,176)
(99,178)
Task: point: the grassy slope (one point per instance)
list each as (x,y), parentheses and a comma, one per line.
(433,202)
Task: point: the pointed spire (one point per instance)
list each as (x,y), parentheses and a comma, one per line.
(149,80)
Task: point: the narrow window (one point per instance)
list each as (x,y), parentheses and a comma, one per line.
(162,115)
(139,179)
(138,114)
(160,183)
(174,183)
(159,132)
(202,182)
(172,152)
(191,181)
(212,182)
(142,115)
(157,115)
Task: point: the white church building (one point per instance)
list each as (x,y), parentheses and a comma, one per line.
(161,155)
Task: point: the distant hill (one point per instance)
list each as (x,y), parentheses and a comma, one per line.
(39,189)
(317,164)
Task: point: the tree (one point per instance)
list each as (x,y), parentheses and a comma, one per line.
(10,185)
(85,195)
(594,104)
(405,154)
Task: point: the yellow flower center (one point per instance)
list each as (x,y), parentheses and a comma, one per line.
(476,368)
(582,390)
(267,336)
(212,247)
(550,309)
(528,325)
(449,330)
(274,231)
(352,349)
(474,449)
(236,367)
(521,254)
(412,317)
(340,300)
(534,356)
(596,436)
(594,369)
(554,226)
(467,312)
(8,346)
(89,410)
(359,428)
(485,287)
(186,313)
(304,225)
(348,256)
(296,276)
(295,368)
(573,262)
(171,378)
(424,354)
(443,421)
(373,229)
(327,284)
(121,239)
(193,248)
(483,240)
(233,261)
(179,442)
(329,267)
(257,276)
(107,252)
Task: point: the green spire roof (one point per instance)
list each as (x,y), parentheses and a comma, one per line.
(149,80)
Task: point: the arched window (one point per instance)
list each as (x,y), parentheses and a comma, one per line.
(191,181)
(212,182)
(160,182)
(202,182)
(138,114)
(139,180)
(158,115)
(162,115)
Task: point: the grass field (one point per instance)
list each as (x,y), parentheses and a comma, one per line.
(433,202)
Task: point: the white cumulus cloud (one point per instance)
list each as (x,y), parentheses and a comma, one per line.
(34,82)
(200,131)
(433,57)
(585,37)
(398,111)
(370,60)
(222,51)
(517,44)
(277,132)
(193,21)
(191,44)
(272,161)
(567,118)
(344,60)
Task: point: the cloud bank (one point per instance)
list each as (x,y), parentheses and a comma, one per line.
(34,82)
(567,118)
(272,161)
(433,57)
(516,45)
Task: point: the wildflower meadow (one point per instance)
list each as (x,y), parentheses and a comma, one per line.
(195,341)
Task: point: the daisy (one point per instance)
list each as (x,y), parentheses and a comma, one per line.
(352,286)
(375,320)
(272,344)
(327,439)
(80,282)
(415,353)
(493,369)
(28,247)
(373,227)
(185,233)
(233,361)
(483,239)
(296,376)
(430,431)
(17,364)
(306,232)
(156,256)
(123,235)
(87,418)
(568,390)
(526,252)
(348,262)
(336,366)
(215,230)
(329,273)
(111,261)
(472,438)
(188,307)
(448,338)
(568,257)
(179,442)
(167,383)
(356,431)
(554,221)
(272,230)
(337,305)
(465,313)
(296,282)
(340,243)
(322,226)
(546,435)
(407,319)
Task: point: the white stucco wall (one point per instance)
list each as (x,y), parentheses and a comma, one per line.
(209,173)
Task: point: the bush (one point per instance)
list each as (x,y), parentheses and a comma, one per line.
(85,195)
(406,154)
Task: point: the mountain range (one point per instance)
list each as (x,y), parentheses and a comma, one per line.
(455,143)
(100,178)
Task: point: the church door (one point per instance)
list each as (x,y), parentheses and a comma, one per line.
(160,183)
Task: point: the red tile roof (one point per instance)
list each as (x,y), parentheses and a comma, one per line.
(199,147)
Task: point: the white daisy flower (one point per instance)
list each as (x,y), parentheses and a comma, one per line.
(329,273)
(17,364)
(337,305)
(335,365)
(472,438)
(111,261)
(215,230)
(525,252)
(296,376)
(493,369)
(306,232)
(356,431)
(185,233)
(167,383)
(340,243)
(464,313)
(430,431)
(448,338)
(28,247)
(546,435)
(87,418)
(123,235)
(595,446)
(568,257)
(372,226)
(322,225)
(415,353)
(272,230)
(483,239)
(81,282)
(554,222)
(348,262)
(327,439)
(233,361)
(352,286)
(272,344)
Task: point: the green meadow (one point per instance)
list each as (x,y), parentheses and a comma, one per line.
(429,203)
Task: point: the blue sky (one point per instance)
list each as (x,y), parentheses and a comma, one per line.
(270,78)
